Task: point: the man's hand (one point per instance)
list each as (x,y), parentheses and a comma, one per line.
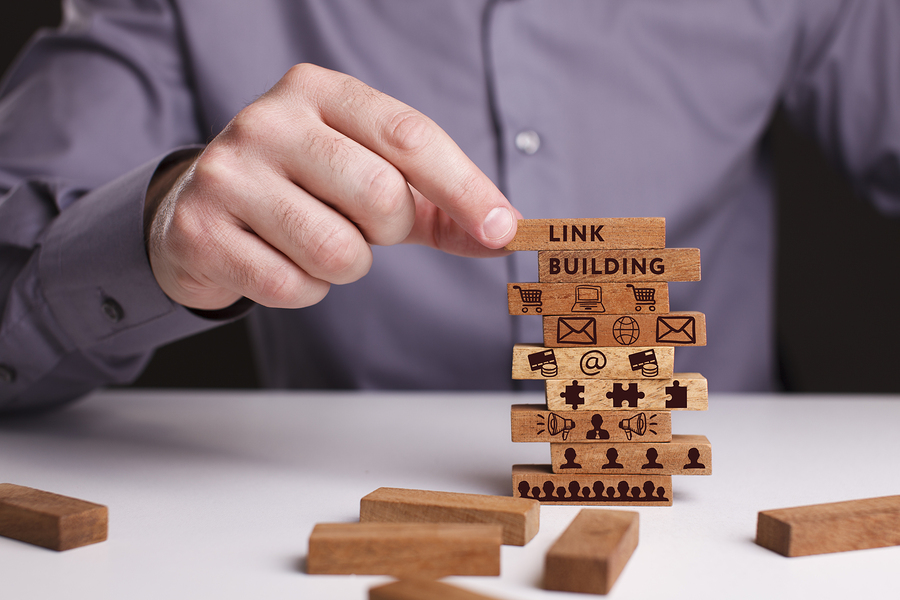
(286,200)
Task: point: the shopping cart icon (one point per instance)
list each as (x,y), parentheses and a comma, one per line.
(644,297)
(530,298)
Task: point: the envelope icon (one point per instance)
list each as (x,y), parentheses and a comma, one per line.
(676,330)
(576,330)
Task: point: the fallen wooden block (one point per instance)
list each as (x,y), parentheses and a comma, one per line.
(673,329)
(684,455)
(565,234)
(519,517)
(832,527)
(50,520)
(669,264)
(684,391)
(534,423)
(415,550)
(540,483)
(419,589)
(587,298)
(531,361)
(592,552)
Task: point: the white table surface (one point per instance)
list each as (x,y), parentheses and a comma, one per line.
(213,495)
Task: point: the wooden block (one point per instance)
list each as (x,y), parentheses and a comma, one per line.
(602,489)
(592,552)
(587,298)
(519,518)
(684,455)
(534,423)
(50,520)
(832,527)
(668,264)
(416,550)
(420,589)
(531,361)
(578,331)
(685,391)
(585,234)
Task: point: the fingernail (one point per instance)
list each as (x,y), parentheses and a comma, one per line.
(498,223)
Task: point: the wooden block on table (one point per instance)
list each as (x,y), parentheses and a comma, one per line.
(684,455)
(667,264)
(685,391)
(531,361)
(591,553)
(420,589)
(50,520)
(534,423)
(673,329)
(832,527)
(415,550)
(587,298)
(519,518)
(607,489)
(584,234)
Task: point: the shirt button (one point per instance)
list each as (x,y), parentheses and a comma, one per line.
(528,141)
(112,310)
(7,374)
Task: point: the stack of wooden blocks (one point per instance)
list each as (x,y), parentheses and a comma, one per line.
(608,363)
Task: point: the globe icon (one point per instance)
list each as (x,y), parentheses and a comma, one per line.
(626,331)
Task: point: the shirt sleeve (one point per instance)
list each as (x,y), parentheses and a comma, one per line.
(86,116)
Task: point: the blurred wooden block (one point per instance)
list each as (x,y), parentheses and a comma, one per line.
(418,589)
(684,391)
(832,527)
(50,520)
(531,361)
(584,234)
(519,517)
(414,550)
(592,552)
(540,483)
(587,298)
(534,423)
(684,455)
(666,264)
(578,331)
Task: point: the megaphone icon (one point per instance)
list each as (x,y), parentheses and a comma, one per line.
(636,424)
(557,424)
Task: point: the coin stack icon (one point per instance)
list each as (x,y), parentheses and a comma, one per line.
(607,360)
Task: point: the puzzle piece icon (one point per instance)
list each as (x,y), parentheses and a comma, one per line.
(622,395)
(679,395)
(573,395)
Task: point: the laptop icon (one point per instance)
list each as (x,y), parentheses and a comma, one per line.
(588,298)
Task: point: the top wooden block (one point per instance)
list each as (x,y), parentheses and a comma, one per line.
(588,234)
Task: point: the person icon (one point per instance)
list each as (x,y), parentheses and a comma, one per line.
(597,433)
(694,457)
(524,487)
(598,490)
(649,488)
(574,490)
(612,462)
(548,490)
(561,493)
(570,460)
(623,491)
(652,455)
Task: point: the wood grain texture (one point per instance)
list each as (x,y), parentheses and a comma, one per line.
(534,423)
(419,589)
(519,517)
(584,234)
(414,550)
(578,331)
(684,455)
(531,361)
(831,527)
(684,391)
(591,553)
(607,489)
(587,298)
(667,264)
(50,520)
